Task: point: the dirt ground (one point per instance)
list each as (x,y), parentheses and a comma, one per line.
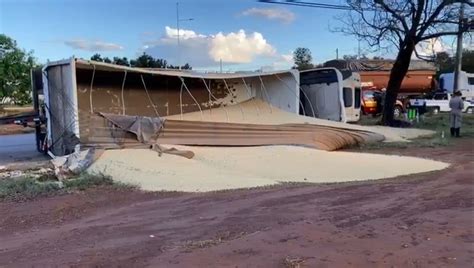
(15,129)
(415,221)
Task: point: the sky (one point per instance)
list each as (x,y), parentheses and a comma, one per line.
(244,34)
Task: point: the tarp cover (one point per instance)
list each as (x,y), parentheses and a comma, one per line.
(145,128)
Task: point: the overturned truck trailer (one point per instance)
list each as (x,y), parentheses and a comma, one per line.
(95,104)
(75,89)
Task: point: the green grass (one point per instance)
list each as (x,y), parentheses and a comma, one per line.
(25,188)
(438,123)
(86,180)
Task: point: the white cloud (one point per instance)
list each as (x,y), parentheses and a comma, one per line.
(279,14)
(288,58)
(183,34)
(239,47)
(94,46)
(201,50)
(430,47)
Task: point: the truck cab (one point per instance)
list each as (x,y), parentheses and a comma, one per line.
(466,84)
(331,93)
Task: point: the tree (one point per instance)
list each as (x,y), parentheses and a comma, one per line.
(143,61)
(302,58)
(468,61)
(15,67)
(445,63)
(403,24)
(96,57)
(120,61)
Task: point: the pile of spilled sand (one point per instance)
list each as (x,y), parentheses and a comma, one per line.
(221,168)
(257,111)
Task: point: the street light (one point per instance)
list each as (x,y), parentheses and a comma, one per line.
(177,26)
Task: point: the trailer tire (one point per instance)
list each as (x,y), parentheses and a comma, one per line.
(435,110)
(470,110)
(397,111)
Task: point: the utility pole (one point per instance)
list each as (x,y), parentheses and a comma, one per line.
(337,53)
(221,64)
(177,28)
(458,66)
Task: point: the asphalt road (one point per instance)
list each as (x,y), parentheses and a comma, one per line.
(18,148)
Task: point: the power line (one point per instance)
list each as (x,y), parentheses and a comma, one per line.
(307,4)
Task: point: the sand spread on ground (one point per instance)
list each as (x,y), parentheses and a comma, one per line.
(221,168)
(256,111)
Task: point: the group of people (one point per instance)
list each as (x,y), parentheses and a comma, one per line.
(456,104)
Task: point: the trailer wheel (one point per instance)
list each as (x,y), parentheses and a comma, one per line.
(435,110)
(470,110)
(397,111)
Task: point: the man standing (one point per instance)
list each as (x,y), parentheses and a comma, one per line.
(457,105)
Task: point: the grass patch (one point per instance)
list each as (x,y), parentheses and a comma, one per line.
(438,123)
(87,180)
(25,188)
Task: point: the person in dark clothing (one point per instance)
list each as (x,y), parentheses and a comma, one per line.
(455,117)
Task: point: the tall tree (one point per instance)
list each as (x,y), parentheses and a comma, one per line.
(121,61)
(302,58)
(15,66)
(403,24)
(96,57)
(145,61)
(445,63)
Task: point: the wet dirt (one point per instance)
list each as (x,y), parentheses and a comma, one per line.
(423,220)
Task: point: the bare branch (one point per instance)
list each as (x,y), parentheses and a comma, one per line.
(436,35)
(425,58)
(394,14)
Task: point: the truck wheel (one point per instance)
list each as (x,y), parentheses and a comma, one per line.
(397,111)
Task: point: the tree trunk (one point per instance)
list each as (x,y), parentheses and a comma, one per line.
(399,70)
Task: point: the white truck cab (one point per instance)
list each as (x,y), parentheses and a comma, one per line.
(466,84)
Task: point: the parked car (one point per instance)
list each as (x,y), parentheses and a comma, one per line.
(371,103)
(439,102)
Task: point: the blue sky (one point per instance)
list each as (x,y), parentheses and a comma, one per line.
(57,29)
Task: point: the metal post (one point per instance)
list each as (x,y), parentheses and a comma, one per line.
(177,26)
(458,66)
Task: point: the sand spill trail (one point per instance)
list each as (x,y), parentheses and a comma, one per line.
(222,168)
